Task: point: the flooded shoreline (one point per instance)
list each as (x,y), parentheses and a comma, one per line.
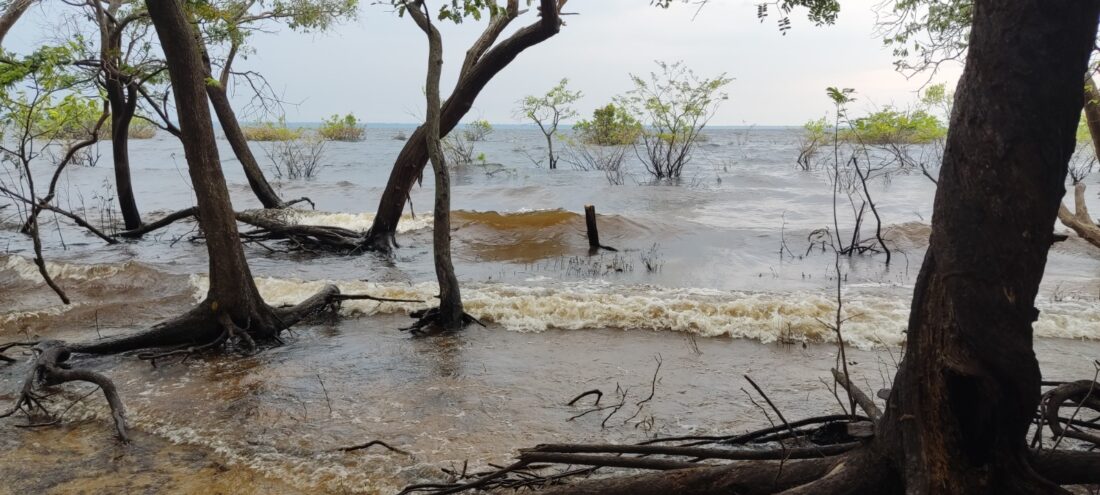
(715,276)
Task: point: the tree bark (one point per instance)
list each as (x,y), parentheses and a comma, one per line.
(450,314)
(410,163)
(232,290)
(968,387)
(219,99)
(123,100)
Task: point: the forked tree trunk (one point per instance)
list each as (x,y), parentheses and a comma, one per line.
(476,73)
(123,101)
(969,385)
(232,290)
(450,314)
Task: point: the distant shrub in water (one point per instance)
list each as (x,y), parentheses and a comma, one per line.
(298,158)
(611,125)
(892,126)
(346,128)
(477,130)
(141,129)
(814,135)
(271,131)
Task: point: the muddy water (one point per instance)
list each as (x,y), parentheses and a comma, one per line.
(698,283)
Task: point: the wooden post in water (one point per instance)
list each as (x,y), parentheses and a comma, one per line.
(593,232)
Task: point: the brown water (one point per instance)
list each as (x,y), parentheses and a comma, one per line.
(717,302)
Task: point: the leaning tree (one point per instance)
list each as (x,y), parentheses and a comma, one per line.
(233,314)
(484,60)
(968,388)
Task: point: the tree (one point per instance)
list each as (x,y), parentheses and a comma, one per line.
(674,105)
(122,73)
(967,390)
(484,60)
(449,315)
(548,110)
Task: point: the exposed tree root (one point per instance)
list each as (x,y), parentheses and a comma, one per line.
(204,328)
(48,369)
(786,459)
(428,321)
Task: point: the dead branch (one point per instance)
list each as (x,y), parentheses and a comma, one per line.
(595,391)
(371,444)
(159,224)
(1080,221)
(866,403)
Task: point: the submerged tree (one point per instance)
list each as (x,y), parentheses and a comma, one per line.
(547,111)
(673,105)
(484,60)
(449,315)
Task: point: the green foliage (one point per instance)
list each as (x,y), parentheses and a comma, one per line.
(816,130)
(1083,133)
(458,10)
(673,106)
(611,125)
(346,128)
(547,110)
(925,33)
(271,131)
(70,118)
(936,97)
(477,130)
(892,126)
(820,12)
(840,97)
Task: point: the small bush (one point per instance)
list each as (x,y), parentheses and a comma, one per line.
(271,131)
(346,128)
(892,126)
(477,130)
(141,129)
(298,158)
(611,125)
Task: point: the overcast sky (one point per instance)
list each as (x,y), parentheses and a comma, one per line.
(374,66)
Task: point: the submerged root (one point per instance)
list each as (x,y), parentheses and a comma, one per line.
(204,328)
(431,321)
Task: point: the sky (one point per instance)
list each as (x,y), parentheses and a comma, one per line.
(373,66)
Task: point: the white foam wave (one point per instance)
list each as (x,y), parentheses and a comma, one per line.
(870,320)
(25,269)
(356,221)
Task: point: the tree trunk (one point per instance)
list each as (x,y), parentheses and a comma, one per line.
(15,10)
(410,163)
(550,150)
(450,314)
(232,290)
(968,387)
(123,101)
(237,140)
